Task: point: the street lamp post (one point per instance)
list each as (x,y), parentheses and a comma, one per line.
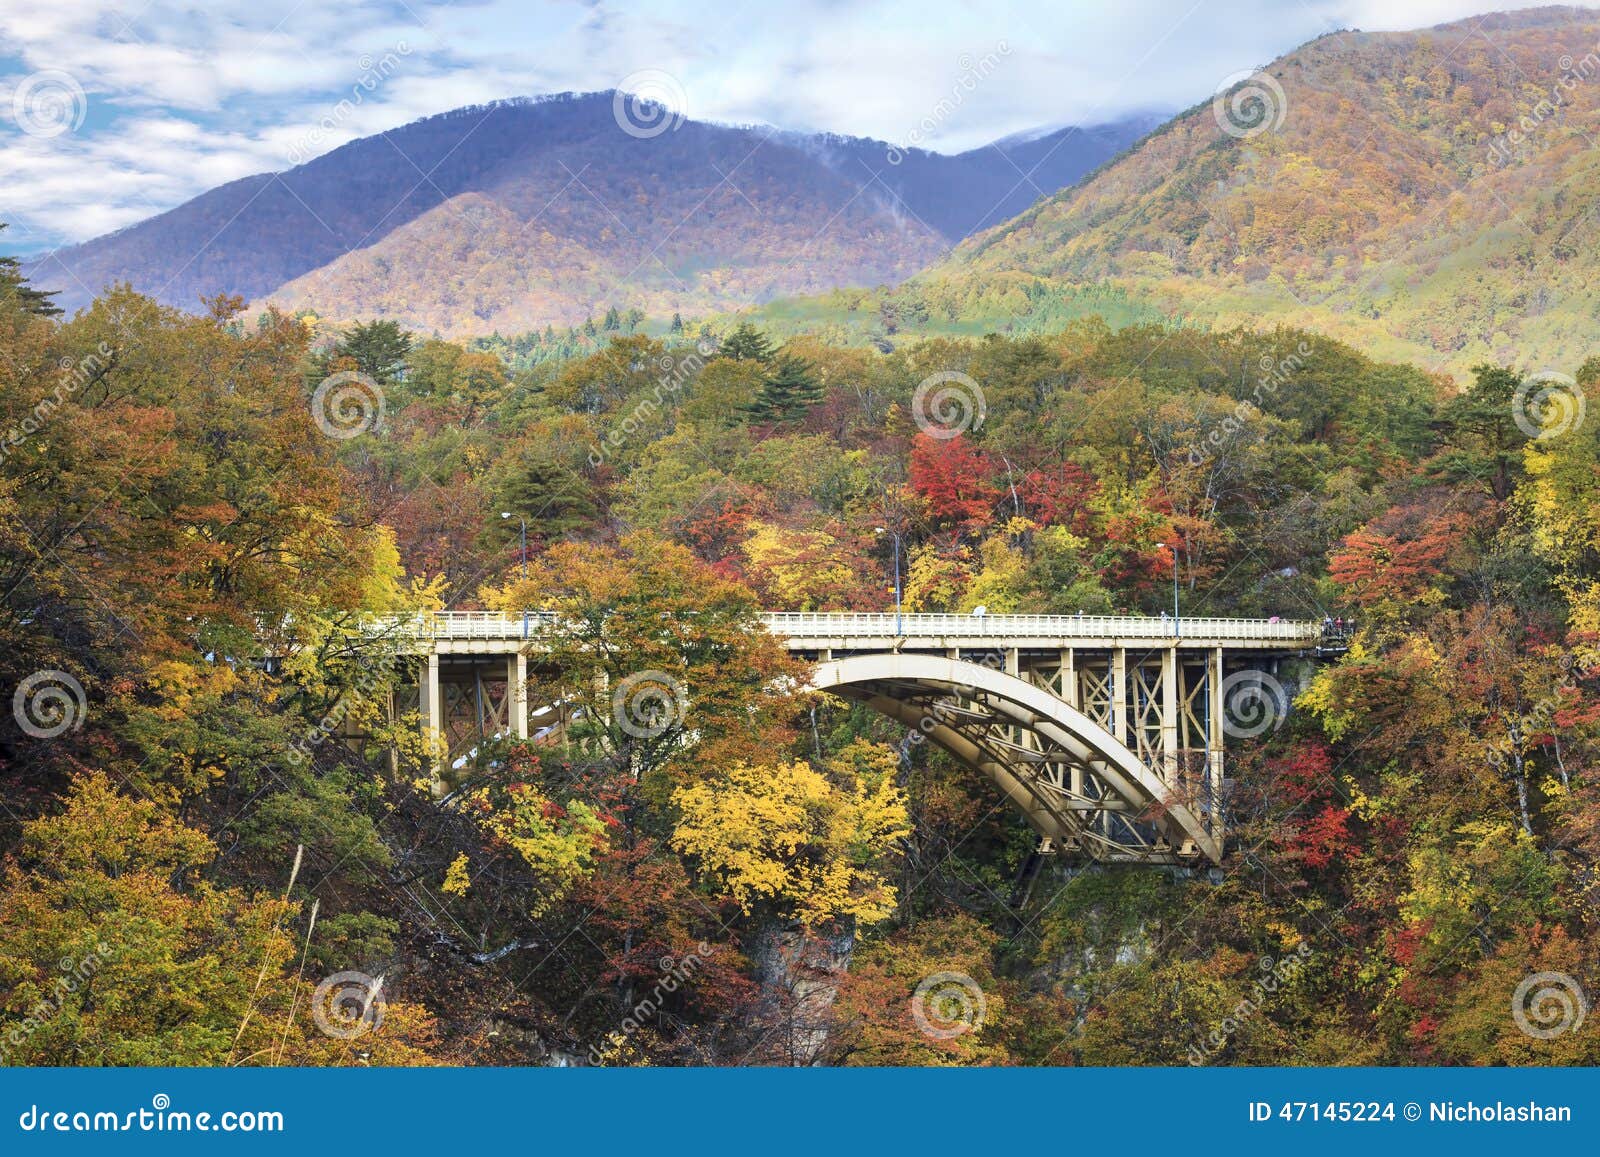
(524,522)
(896,535)
(1177,623)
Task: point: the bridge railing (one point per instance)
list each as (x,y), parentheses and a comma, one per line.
(881,625)
(492,625)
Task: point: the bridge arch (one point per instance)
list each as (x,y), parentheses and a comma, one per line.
(1076,783)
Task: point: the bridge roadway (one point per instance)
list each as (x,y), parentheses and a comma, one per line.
(1107,731)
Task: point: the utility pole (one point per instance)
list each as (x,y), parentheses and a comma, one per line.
(896,536)
(1177,623)
(524,522)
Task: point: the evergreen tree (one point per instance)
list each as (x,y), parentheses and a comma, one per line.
(787,391)
(677,323)
(1480,431)
(613,320)
(747,343)
(379,349)
(14,286)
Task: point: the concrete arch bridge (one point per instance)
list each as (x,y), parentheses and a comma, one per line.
(1107,732)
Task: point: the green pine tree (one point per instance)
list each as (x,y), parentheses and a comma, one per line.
(787,392)
(380,350)
(747,343)
(14,287)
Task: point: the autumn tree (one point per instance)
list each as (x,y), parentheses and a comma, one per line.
(813,843)
(116,950)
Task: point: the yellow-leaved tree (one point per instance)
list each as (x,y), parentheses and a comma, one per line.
(116,949)
(814,844)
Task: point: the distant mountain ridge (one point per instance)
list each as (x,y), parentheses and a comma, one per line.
(533,212)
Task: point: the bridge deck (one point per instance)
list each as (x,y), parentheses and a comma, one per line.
(810,632)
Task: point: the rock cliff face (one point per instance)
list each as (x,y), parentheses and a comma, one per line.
(800,976)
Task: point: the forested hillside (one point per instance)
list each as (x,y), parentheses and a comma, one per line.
(184,497)
(1427,195)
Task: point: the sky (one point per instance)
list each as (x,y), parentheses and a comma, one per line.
(112,112)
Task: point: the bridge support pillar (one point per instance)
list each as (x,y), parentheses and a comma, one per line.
(517,694)
(1215,734)
(432,702)
(1119,694)
(1171,704)
(1071,694)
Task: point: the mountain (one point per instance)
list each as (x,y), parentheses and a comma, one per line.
(1428,195)
(525,213)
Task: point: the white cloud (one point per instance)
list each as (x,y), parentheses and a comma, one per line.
(183,97)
